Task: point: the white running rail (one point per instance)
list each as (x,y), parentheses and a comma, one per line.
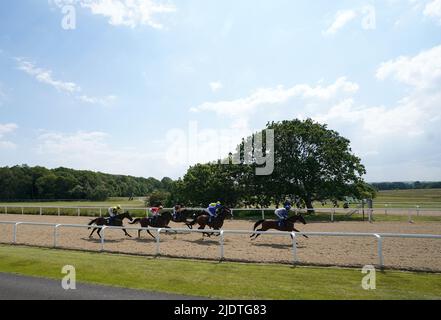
(223,233)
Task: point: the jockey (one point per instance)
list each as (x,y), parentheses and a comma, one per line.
(155,212)
(212,210)
(113,211)
(282,213)
(176,210)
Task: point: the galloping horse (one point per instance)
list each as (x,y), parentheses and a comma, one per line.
(215,224)
(288,225)
(117,222)
(160,221)
(182,216)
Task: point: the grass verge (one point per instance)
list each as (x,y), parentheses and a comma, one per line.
(217,280)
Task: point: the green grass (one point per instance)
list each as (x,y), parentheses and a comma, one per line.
(326,217)
(427,198)
(217,280)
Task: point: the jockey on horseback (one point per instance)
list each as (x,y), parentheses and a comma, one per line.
(113,211)
(212,210)
(282,213)
(155,213)
(177,210)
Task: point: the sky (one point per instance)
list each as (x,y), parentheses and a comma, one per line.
(149,87)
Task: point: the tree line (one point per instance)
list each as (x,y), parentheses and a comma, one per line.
(39,183)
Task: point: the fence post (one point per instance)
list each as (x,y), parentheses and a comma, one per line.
(410,216)
(56,234)
(294,248)
(22,210)
(59,212)
(14,241)
(380,250)
(101,213)
(221,242)
(6,210)
(385,209)
(370,215)
(41,211)
(158,242)
(79,213)
(418,210)
(102,237)
(263,214)
(332,215)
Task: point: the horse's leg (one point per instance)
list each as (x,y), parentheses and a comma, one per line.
(90,236)
(294,229)
(257,234)
(148,231)
(99,232)
(126,233)
(202,227)
(139,234)
(263,229)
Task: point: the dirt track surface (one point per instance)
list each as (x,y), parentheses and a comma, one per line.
(412,254)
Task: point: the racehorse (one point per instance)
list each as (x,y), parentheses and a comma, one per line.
(287,225)
(116,222)
(182,216)
(215,224)
(160,221)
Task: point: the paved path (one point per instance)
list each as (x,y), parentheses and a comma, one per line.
(15,287)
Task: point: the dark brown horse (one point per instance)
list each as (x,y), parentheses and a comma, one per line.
(182,216)
(160,221)
(204,220)
(116,222)
(287,225)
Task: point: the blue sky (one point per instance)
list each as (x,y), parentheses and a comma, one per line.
(147,87)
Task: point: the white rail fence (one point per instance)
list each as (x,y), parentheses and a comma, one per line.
(333,212)
(222,234)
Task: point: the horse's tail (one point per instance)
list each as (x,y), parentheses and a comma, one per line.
(137,220)
(258,223)
(92,222)
(192,223)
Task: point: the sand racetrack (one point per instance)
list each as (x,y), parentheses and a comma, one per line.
(409,254)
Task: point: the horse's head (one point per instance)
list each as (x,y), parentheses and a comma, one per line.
(300,218)
(127,215)
(225,212)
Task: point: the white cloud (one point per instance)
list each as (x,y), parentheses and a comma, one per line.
(422,71)
(402,139)
(216,86)
(129,13)
(4,130)
(105,101)
(278,95)
(45,76)
(433,10)
(342,18)
(92,151)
